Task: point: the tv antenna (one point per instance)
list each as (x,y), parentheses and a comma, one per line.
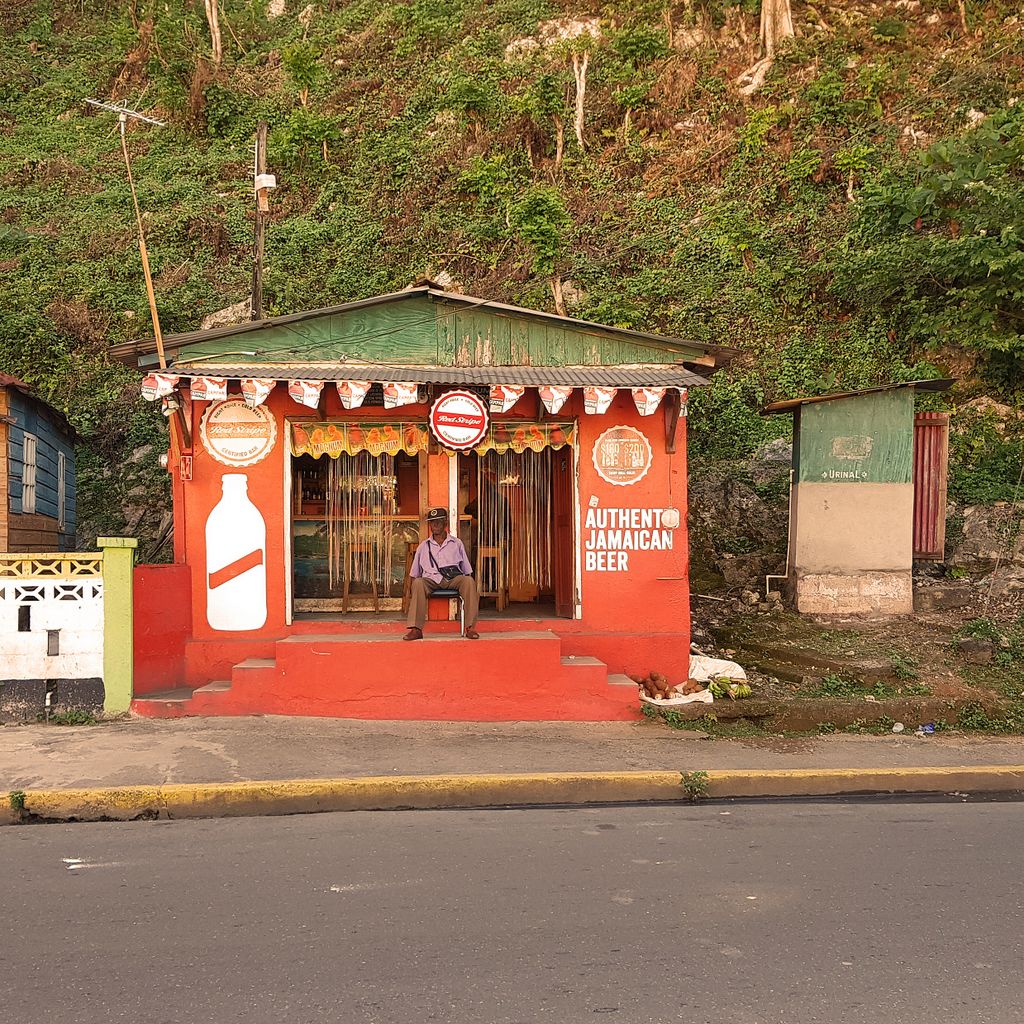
(123,114)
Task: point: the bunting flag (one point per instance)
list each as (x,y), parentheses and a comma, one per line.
(208,389)
(397,393)
(334,439)
(306,392)
(683,397)
(554,397)
(158,385)
(647,400)
(256,389)
(504,396)
(352,392)
(596,400)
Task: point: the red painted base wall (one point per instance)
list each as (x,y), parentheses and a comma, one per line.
(163,623)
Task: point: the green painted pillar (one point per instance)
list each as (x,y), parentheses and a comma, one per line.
(118,648)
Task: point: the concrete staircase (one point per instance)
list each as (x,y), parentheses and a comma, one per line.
(510,676)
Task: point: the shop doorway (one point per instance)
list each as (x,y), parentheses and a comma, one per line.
(357,514)
(354,520)
(517,517)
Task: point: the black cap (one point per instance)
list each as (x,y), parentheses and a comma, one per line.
(436,515)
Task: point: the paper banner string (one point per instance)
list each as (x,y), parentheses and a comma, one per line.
(158,385)
(397,394)
(647,400)
(208,389)
(256,389)
(352,392)
(554,397)
(596,400)
(306,392)
(504,396)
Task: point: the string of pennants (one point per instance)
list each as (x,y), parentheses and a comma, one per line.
(352,393)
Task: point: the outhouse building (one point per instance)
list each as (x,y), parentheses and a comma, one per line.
(868,487)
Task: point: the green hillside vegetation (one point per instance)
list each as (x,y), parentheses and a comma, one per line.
(858,220)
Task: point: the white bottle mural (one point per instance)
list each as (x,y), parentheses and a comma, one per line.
(236,560)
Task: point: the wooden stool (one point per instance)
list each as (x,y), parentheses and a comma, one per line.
(500,591)
(360,547)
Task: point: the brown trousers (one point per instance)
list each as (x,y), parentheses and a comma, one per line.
(422,588)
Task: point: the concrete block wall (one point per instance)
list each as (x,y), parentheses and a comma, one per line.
(66,632)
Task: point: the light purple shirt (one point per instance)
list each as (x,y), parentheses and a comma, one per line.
(451,551)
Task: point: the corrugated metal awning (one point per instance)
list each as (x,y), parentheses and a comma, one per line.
(530,376)
(789,404)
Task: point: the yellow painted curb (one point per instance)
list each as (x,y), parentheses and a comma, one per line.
(300,796)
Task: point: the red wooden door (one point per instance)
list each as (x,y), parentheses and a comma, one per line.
(562,496)
(931,456)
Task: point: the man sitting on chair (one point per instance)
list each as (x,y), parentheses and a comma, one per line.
(441,562)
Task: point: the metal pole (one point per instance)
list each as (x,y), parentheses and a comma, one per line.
(256,308)
(150,294)
(123,113)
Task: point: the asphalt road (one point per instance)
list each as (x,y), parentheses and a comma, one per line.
(866,912)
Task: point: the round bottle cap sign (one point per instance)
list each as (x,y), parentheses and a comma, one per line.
(237,435)
(622,455)
(459,420)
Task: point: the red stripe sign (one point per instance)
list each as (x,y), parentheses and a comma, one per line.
(235,569)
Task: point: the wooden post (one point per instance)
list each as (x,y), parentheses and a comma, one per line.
(671,405)
(262,208)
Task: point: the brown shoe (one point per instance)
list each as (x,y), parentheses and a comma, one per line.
(415,633)
(472,634)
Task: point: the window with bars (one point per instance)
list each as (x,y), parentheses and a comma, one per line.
(62,503)
(28,476)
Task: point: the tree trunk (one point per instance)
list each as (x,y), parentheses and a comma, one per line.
(963,16)
(556,292)
(579,72)
(776,25)
(559,140)
(213,20)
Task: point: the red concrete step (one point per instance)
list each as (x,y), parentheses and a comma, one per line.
(163,704)
(214,698)
(520,676)
(618,679)
(585,671)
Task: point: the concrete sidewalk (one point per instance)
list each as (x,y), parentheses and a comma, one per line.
(147,752)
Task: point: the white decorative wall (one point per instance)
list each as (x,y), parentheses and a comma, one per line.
(53,634)
(73,608)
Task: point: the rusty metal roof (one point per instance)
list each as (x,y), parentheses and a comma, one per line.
(789,404)
(532,376)
(8,380)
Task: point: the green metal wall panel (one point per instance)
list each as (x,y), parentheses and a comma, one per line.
(868,439)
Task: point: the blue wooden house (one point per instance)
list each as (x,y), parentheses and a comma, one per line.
(37,472)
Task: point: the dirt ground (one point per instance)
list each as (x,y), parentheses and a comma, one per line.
(913,655)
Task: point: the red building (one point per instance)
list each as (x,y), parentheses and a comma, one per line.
(305,451)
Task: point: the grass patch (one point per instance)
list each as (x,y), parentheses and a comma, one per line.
(76,717)
(843,688)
